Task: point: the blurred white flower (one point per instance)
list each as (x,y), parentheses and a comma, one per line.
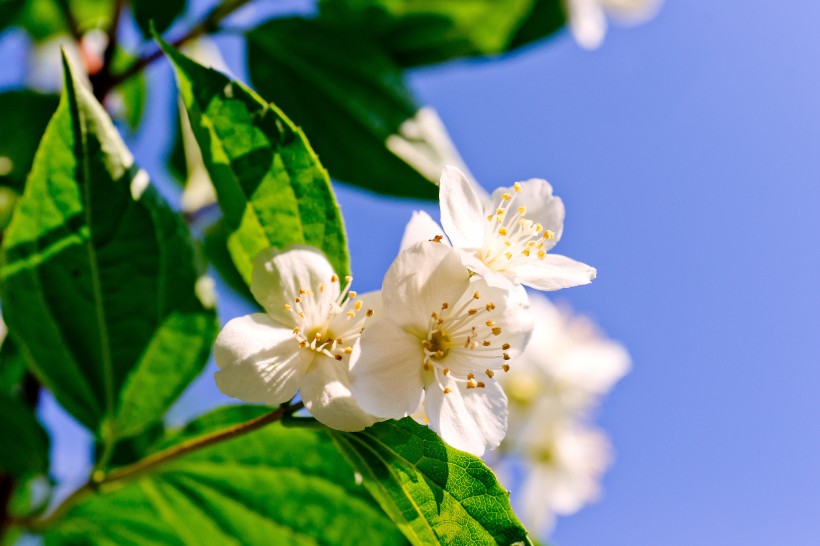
(587,18)
(303,341)
(506,237)
(558,465)
(442,338)
(567,361)
(45,69)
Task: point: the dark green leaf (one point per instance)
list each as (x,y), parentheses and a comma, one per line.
(420,32)
(132,92)
(161,12)
(25,115)
(216,250)
(8,11)
(44,19)
(12,367)
(349,97)
(24,449)
(99,278)
(546,18)
(275,486)
(270,185)
(434,493)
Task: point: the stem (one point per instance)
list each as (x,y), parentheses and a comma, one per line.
(99,480)
(100,81)
(71,21)
(206,26)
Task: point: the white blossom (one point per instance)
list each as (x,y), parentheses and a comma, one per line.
(587,18)
(442,339)
(303,341)
(506,237)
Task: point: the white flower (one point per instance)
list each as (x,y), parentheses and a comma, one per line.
(304,340)
(587,18)
(506,237)
(442,338)
(560,469)
(567,360)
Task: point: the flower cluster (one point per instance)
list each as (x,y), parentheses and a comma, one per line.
(449,323)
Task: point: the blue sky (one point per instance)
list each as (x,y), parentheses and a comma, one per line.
(686,151)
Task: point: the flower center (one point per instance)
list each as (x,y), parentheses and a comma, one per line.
(461,340)
(511,238)
(330,327)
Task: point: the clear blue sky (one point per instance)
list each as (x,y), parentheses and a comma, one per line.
(687,152)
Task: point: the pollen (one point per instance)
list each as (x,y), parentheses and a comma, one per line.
(522,210)
(368,313)
(489,373)
(348,350)
(445,305)
(506,196)
(436,239)
(353,294)
(321,287)
(486,343)
(506,356)
(334,278)
(472,312)
(476,295)
(480,384)
(502,231)
(490,307)
(549,234)
(287,307)
(490,323)
(447,390)
(508,255)
(505,367)
(496,331)
(351,314)
(517,186)
(296,330)
(506,346)
(359,305)
(298,300)
(472,383)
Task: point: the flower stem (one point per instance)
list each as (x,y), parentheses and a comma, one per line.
(99,480)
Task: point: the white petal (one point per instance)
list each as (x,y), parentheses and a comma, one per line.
(326,394)
(420,228)
(542,206)
(554,272)
(279,275)
(422,278)
(632,11)
(588,22)
(386,374)
(259,360)
(472,420)
(462,210)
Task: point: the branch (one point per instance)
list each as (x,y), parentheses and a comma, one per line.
(208,25)
(98,479)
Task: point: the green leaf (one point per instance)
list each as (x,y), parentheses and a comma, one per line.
(350,98)
(44,19)
(421,32)
(25,115)
(24,449)
(270,185)
(99,278)
(216,250)
(132,92)
(434,493)
(161,12)
(8,11)
(12,367)
(273,486)
(546,18)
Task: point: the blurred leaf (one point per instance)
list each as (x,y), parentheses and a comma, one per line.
(271,187)
(134,448)
(216,250)
(99,277)
(349,97)
(421,32)
(132,92)
(24,449)
(12,367)
(273,486)
(25,115)
(161,12)
(8,11)
(43,19)
(434,493)
(546,18)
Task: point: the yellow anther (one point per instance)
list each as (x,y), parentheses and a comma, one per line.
(505,346)
(505,367)
(368,313)
(506,196)
(287,307)
(472,312)
(517,186)
(526,252)
(506,356)
(480,385)
(499,212)
(445,305)
(490,323)
(490,306)
(502,231)
(472,383)
(549,234)
(496,331)
(334,278)
(538,228)
(541,254)
(437,239)
(522,210)
(339,357)
(490,218)
(447,390)
(470,375)
(303,344)
(353,294)
(351,314)
(476,295)
(348,278)
(486,343)
(321,287)
(359,304)
(339,340)
(489,373)
(426,366)
(298,300)
(302,291)
(508,255)
(348,350)
(446,371)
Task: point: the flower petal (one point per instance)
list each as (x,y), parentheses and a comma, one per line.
(278,276)
(326,394)
(462,209)
(472,420)
(542,206)
(555,272)
(588,23)
(420,228)
(259,360)
(422,278)
(386,374)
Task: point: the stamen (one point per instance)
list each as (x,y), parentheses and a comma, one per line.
(287,307)
(517,186)
(489,373)
(339,357)
(505,367)
(505,356)
(496,331)
(436,239)
(369,313)
(447,390)
(334,278)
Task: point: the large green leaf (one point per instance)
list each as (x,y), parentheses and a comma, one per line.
(434,493)
(24,449)
(8,11)
(350,98)
(25,115)
(273,486)
(12,367)
(270,185)
(99,277)
(420,32)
